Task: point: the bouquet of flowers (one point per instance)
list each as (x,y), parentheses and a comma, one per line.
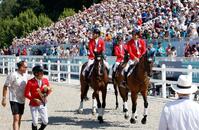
(43,94)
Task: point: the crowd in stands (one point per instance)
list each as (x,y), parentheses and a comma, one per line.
(156,19)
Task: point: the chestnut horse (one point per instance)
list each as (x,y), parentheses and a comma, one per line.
(99,82)
(137,81)
(117,79)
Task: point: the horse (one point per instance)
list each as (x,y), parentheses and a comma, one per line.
(137,81)
(98,82)
(117,80)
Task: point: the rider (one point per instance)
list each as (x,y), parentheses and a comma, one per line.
(136,47)
(96,44)
(119,51)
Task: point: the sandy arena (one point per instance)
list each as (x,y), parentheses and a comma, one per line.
(62,110)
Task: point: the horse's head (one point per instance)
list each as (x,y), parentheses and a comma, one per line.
(98,63)
(148,60)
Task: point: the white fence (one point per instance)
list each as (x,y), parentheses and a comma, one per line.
(64,72)
(56,71)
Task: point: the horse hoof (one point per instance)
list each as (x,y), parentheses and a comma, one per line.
(143,120)
(125,110)
(133,121)
(93,111)
(86,98)
(80,111)
(100,119)
(126,116)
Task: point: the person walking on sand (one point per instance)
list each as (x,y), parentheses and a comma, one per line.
(16,83)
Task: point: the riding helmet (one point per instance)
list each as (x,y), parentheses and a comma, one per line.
(37,69)
(96,31)
(136,32)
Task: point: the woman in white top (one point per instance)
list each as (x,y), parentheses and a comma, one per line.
(16,83)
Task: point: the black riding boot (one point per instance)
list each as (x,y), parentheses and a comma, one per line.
(86,75)
(107,71)
(113,75)
(43,126)
(34,127)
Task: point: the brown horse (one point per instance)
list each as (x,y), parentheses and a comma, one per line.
(117,79)
(99,82)
(137,81)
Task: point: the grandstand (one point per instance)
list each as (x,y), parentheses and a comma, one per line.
(174,22)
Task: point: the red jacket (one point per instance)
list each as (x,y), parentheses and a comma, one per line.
(119,53)
(91,46)
(132,50)
(139,22)
(31,90)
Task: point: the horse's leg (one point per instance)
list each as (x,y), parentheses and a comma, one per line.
(96,94)
(116,95)
(124,95)
(85,95)
(144,95)
(84,87)
(94,104)
(134,96)
(101,110)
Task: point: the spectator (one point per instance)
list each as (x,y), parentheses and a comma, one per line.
(160,52)
(187,51)
(173,52)
(183,113)
(194,51)
(168,49)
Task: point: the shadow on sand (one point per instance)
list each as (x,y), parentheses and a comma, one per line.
(84,121)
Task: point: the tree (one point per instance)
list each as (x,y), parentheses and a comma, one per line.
(22,25)
(28,21)
(67,12)
(44,20)
(23,5)
(7,33)
(6,8)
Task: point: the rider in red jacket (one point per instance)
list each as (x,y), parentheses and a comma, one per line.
(136,47)
(119,51)
(96,44)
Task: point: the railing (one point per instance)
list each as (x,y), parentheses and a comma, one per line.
(59,71)
(163,80)
(56,71)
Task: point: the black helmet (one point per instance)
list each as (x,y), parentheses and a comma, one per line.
(37,69)
(119,36)
(96,31)
(136,31)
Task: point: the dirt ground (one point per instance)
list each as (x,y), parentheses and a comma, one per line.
(62,109)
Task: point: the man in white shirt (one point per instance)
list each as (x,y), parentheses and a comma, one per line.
(16,83)
(183,113)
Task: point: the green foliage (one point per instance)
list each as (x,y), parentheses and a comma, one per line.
(67,12)
(21,26)
(28,21)
(20,17)
(44,20)
(23,5)
(6,8)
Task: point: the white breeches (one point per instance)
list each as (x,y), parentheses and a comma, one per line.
(115,66)
(130,62)
(42,110)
